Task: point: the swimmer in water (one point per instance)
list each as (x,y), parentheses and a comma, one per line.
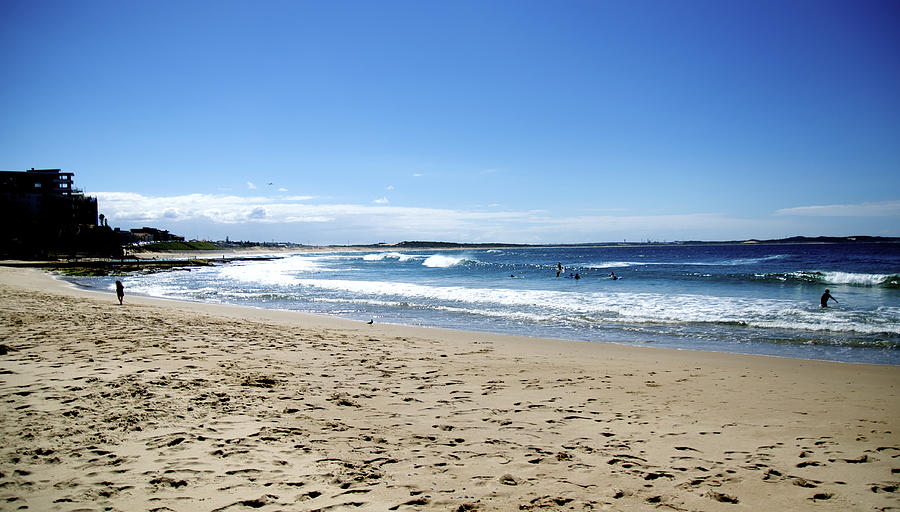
(824,300)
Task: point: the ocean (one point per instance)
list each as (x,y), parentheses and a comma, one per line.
(753,299)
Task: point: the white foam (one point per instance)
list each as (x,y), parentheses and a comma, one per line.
(854,278)
(381,256)
(158,290)
(275,272)
(613,264)
(650,308)
(442,261)
(750,261)
(721,263)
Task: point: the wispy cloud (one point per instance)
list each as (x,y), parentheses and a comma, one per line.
(383,200)
(280,216)
(215,209)
(389,187)
(877,209)
(251,186)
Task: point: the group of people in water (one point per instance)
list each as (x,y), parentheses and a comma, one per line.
(823,301)
(576,275)
(559,270)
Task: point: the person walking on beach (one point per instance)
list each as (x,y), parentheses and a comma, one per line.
(120,291)
(825,297)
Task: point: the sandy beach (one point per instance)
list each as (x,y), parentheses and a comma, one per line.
(163,405)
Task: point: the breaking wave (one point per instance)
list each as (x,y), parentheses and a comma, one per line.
(443,261)
(719,263)
(847,278)
(381,256)
(631,308)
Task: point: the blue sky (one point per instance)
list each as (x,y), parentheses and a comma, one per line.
(349,122)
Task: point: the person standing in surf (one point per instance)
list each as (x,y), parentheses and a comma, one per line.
(825,297)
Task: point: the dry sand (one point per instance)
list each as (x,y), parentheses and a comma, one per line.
(163,405)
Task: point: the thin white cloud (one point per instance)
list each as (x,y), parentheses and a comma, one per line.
(230,209)
(389,187)
(215,209)
(875,209)
(417,174)
(251,186)
(282,189)
(383,200)
(279,217)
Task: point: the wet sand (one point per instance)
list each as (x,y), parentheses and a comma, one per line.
(164,405)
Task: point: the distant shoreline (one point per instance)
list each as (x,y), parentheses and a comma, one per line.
(264,248)
(252,250)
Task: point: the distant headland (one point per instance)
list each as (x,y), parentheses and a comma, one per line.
(790,240)
(203,245)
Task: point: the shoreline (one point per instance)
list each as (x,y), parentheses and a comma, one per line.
(147,405)
(540,339)
(860,353)
(452,246)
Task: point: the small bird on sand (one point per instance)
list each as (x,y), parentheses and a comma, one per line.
(370,322)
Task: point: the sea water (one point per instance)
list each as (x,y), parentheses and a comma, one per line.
(757,299)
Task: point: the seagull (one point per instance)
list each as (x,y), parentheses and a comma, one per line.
(370,322)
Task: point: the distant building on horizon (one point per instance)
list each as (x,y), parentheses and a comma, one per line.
(146,234)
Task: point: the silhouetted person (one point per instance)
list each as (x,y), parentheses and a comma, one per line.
(558,269)
(825,297)
(120,291)
(613,276)
(577,276)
